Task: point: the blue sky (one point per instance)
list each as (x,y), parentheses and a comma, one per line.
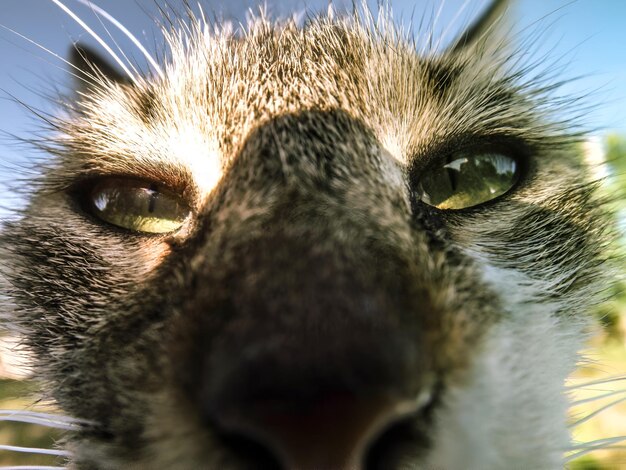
(588,35)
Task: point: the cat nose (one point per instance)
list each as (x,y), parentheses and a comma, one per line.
(324,411)
(334,432)
(305,351)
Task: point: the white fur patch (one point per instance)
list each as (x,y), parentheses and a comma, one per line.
(510,412)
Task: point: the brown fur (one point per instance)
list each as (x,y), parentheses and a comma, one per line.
(309,270)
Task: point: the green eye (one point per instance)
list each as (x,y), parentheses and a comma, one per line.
(138,206)
(468,180)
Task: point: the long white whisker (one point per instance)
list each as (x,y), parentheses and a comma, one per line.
(202,15)
(94,35)
(42,422)
(599,397)
(115,43)
(598,443)
(39,414)
(593,446)
(82,75)
(452,23)
(577,454)
(428,43)
(596,382)
(32,467)
(128,34)
(596,412)
(35,450)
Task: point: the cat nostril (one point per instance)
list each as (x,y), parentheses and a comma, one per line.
(334,432)
(250,452)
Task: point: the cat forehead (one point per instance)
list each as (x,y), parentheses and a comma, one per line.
(277,70)
(271,72)
(221,82)
(217,88)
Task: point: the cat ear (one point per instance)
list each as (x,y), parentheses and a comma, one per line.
(489,26)
(92,70)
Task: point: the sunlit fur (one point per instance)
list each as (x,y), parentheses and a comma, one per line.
(104,312)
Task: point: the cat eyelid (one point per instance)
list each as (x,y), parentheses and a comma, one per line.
(444,148)
(175,182)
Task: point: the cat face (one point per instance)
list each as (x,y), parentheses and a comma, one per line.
(309,249)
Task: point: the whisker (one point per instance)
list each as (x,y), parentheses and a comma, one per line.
(598,397)
(42,422)
(39,414)
(594,446)
(202,15)
(617,378)
(84,74)
(451,24)
(596,412)
(94,35)
(115,43)
(434,22)
(582,453)
(32,467)
(599,443)
(126,32)
(35,450)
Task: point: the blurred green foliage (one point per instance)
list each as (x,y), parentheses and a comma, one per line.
(616,156)
(609,346)
(613,312)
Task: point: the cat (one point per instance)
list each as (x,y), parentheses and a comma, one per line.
(309,248)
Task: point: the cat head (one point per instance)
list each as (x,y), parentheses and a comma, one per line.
(309,248)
